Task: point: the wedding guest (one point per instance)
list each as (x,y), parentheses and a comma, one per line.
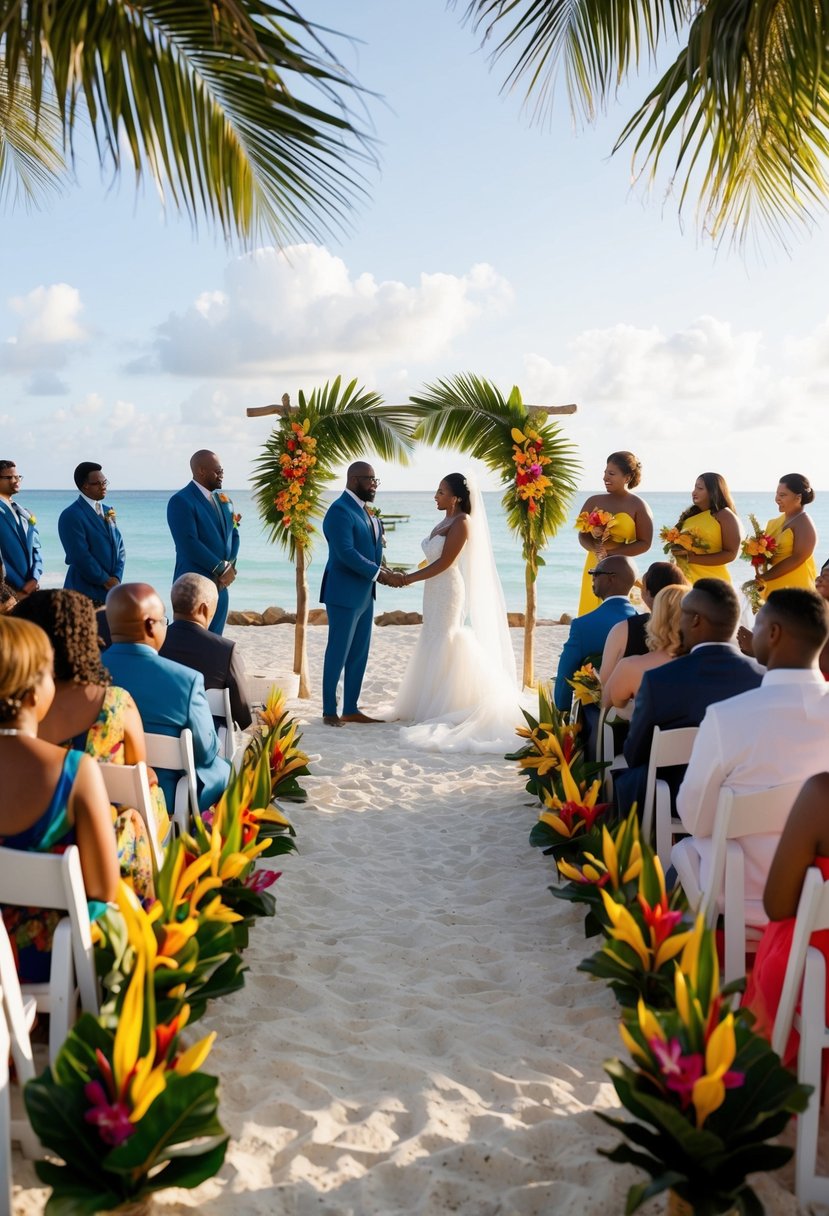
(712,521)
(90,537)
(709,669)
(51,797)
(769,736)
(190,642)
(628,637)
(19,539)
(169,697)
(205,530)
(612,578)
(804,842)
(793,563)
(663,640)
(92,715)
(822,588)
(631,530)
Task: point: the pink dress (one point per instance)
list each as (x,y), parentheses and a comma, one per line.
(765,984)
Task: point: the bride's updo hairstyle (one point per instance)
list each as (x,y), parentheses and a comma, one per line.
(627,463)
(798,484)
(25,652)
(458,486)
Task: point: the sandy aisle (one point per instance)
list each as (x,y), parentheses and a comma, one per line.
(413,1036)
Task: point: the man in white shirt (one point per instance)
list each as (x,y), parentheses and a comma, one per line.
(769,736)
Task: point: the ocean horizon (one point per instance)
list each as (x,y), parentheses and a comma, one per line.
(266,576)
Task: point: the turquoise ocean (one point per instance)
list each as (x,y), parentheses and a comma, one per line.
(266,576)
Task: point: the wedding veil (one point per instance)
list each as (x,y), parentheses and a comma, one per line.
(485,608)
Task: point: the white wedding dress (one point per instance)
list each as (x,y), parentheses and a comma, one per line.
(460,687)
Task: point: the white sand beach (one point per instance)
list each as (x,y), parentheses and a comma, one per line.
(413,1036)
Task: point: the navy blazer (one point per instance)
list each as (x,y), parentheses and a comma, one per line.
(204,537)
(354,554)
(169,698)
(94,549)
(587,636)
(678,693)
(20,548)
(218,659)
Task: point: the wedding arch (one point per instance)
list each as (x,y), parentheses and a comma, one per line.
(330,428)
(536,464)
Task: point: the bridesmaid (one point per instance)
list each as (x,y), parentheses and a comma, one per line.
(793,564)
(632,530)
(714,518)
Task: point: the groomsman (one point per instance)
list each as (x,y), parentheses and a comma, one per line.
(19,540)
(90,537)
(205,531)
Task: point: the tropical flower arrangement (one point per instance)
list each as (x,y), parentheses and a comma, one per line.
(550,738)
(597,523)
(128,1110)
(615,866)
(586,685)
(706,1092)
(682,538)
(531,483)
(759,549)
(281,737)
(299,491)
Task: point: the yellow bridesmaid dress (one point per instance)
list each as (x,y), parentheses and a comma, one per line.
(804,575)
(709,530)
(623,532)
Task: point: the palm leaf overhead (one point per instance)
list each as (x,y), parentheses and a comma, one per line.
(31,162)
(347,424)
(742,113)
(213,98)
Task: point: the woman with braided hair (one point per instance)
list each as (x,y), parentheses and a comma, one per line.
(51,798)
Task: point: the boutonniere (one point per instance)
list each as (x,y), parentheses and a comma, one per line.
(237,519)
(377,514)
(31,518)
(224,498)
(109,515)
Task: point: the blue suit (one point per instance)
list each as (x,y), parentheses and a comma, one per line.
(171,697)
(20,548)
(94,550)
(587,637)
(205,539)
(348,590)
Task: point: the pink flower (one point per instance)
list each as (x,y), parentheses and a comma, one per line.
(260,880)
(536,470)
(680,1073)
(111,1118)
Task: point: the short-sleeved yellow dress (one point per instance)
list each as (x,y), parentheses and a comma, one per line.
(622,532)
(708,530)
(803,575)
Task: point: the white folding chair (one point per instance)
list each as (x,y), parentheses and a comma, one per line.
(5,1124)
(761,813)
(176,752)
(219,701)
(806,969)
(17,1015)
(128,785)
(48,880)
(607,753)
(668,748)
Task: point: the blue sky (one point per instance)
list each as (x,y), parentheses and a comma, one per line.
(486,244)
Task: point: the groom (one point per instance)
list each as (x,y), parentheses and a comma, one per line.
(354,567)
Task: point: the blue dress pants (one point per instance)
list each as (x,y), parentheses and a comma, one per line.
(218,623)
(349,638)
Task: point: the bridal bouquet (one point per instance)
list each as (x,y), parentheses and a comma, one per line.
(759,549)
(597,523)
(706,1092)
(586,685)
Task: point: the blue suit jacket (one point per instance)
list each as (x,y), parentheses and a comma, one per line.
(20,550)
(678,694)
(170,697)
(203,537)
(588,635)
(354,554)
(94,550)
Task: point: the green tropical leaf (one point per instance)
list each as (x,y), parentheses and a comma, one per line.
(31,162)
(235,108)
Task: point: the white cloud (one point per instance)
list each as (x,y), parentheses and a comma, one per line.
(48,330)
(302,311)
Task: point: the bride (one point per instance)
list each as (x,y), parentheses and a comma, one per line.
(460,686)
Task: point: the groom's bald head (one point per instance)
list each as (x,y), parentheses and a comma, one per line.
(360,480)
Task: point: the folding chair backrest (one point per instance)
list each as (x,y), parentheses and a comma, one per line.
(176,753)
(128,785)
(812,915)
(5,1123)
(218,699)
(668,749)
(13,1008)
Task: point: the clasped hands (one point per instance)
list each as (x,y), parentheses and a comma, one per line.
(391,578)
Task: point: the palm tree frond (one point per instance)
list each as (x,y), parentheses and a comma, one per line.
(31,162)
